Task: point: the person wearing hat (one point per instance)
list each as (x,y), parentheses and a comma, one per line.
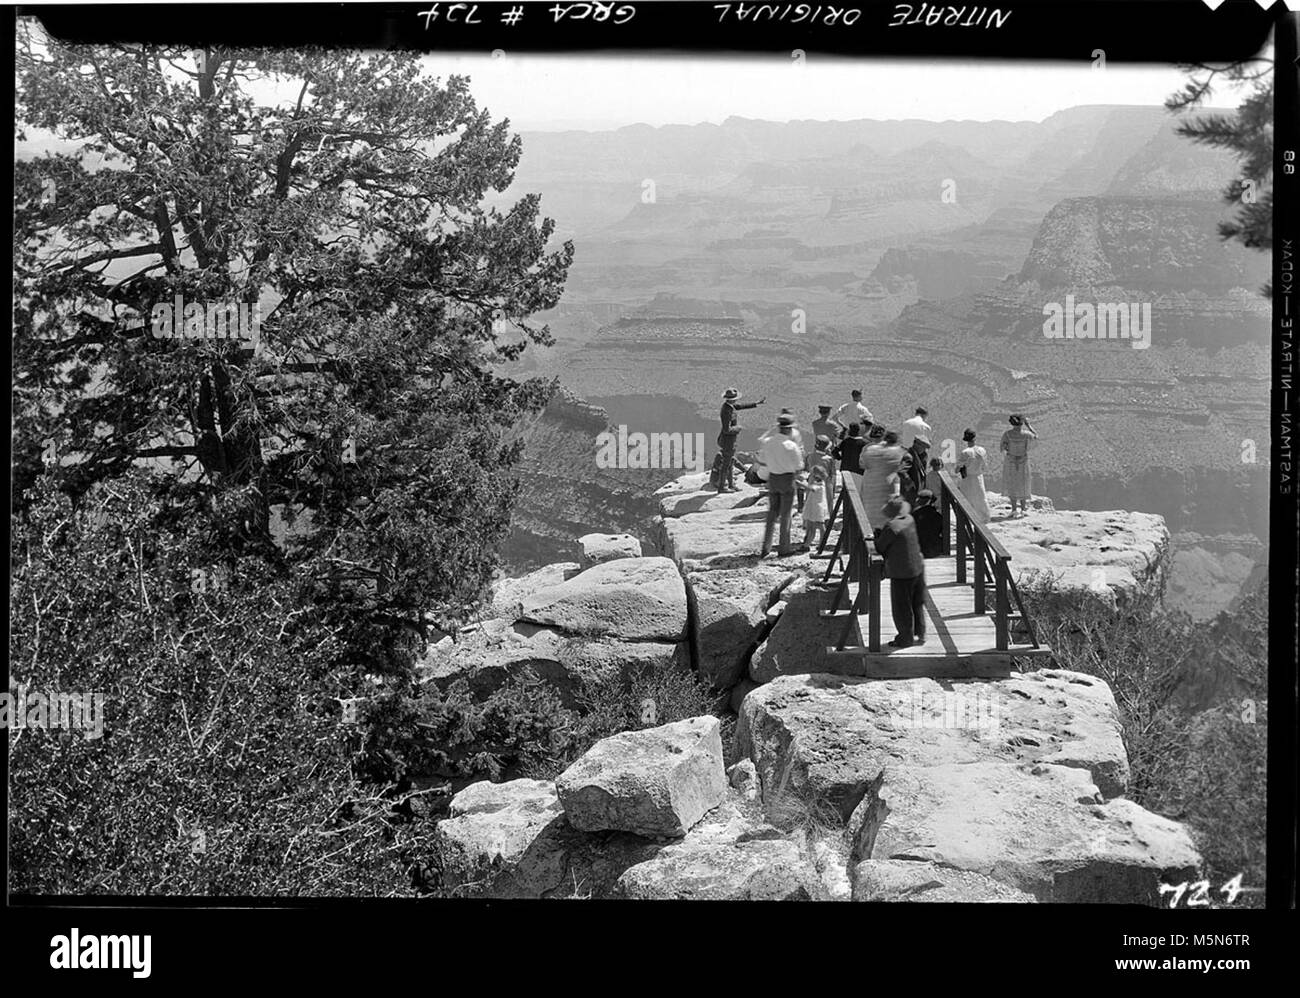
(898,544)
(1015,465)
(914,427)
(848,452)
(784,459)
(824,426)
(929,524)
(970,471)
(853,412)
(911,474)
(727,437)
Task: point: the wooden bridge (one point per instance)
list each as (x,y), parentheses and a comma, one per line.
(972,629)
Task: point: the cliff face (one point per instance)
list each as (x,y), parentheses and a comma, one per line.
(564,494)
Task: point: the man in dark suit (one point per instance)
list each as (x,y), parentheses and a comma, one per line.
(730,430)
(905,568)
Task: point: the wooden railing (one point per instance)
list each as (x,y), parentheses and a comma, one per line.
(855,549)
(988,558)
(976,550)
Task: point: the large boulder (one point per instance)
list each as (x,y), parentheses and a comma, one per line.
(729,610)
(634,599)
(511,840)
(654,782)
(729,536)
(507,595)
(757,869)
(1043,829)
(1111,555)
(832,737)
(907,880)
(491,655)
(600,548)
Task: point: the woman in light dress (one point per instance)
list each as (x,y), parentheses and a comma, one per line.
(880,464)
(970,473)
(1015,465)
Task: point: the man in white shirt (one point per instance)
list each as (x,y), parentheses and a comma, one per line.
(854,412)
(915,427)
(784,459)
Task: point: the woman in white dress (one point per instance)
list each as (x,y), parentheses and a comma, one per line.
(970,472)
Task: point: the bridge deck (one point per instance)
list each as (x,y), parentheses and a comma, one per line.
(959,641)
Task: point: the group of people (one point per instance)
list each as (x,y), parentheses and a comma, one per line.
(899,482)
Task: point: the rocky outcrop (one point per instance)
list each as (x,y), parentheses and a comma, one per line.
(633,599)
(515,840)
(913,880)
(1017,780)
(598,548)
(1004,789)
(832,737)
(489,656)
(654,782)
(569,628)
(1113,555)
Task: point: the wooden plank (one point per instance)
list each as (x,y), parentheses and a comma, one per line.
(894,666)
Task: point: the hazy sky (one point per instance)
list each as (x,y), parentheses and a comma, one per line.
(596,91)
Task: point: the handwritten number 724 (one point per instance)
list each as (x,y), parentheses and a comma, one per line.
(1198,898)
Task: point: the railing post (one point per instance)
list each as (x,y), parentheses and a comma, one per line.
(961,528)
(945,507)
(873,576)
(980,555)
(1002,573)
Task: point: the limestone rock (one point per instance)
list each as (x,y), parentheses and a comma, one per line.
(772,869)
(744,779)
(729,614)
(727,535)
(654,782)
(507,595)
(1110,555)
(904,880)
(497,652)
(1042,829)
(634,599)
(832,737)
(676,504)
(600,548)
(511,840)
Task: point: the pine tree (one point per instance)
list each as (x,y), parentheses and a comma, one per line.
(340,196)
(1247,133)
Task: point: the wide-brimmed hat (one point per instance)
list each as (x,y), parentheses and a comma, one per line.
(924,497)
(785,419)
(896,507)
(731,393)
(823,408)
